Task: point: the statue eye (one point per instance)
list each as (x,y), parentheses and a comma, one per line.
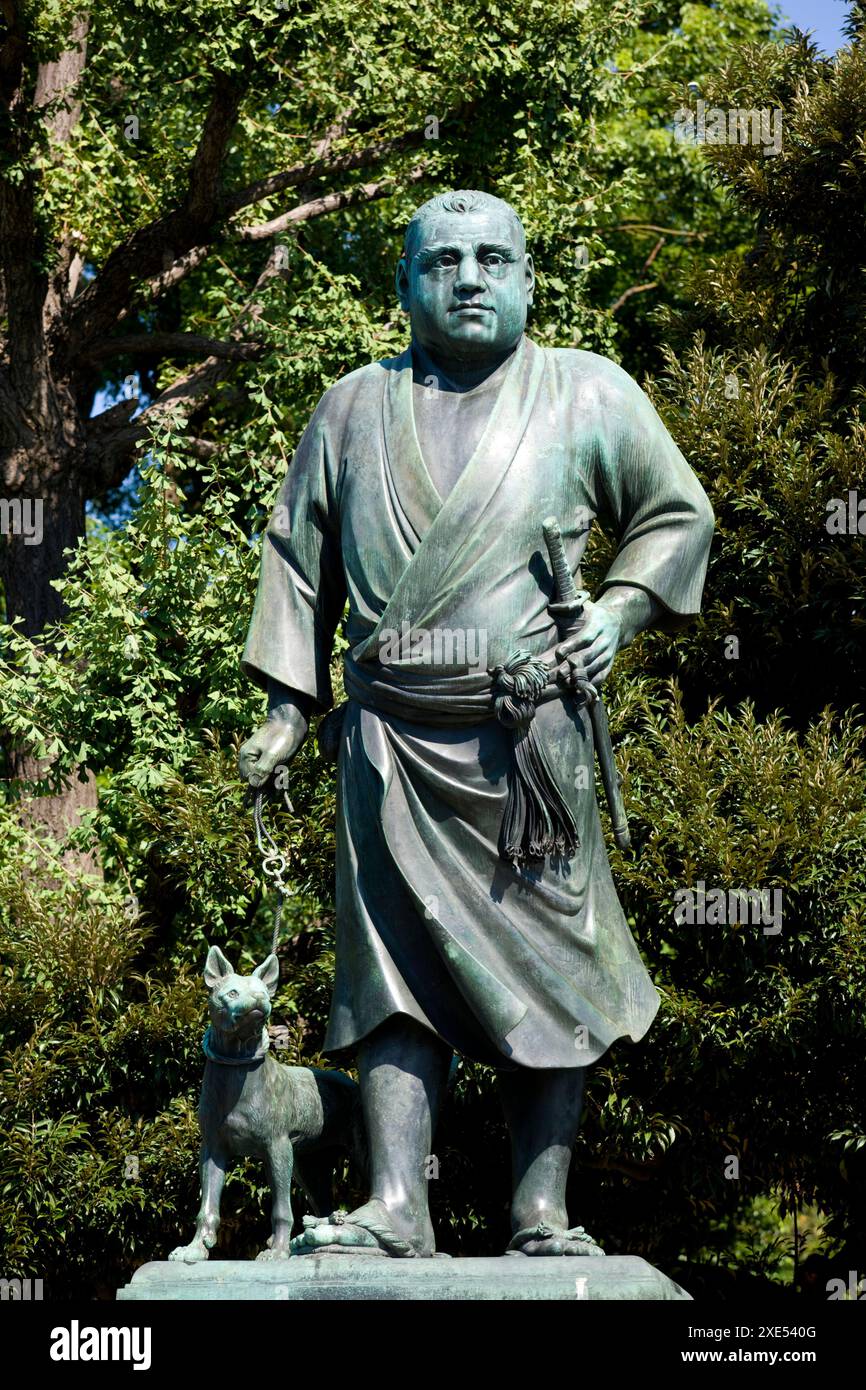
(232,994)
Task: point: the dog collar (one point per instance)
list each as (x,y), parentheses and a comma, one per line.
(263,1046)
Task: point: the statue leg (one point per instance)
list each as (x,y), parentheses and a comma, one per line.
(212,1170)
(542,1111)
(280,1160)
(403,1071)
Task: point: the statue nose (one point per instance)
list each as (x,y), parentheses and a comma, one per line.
(469,276)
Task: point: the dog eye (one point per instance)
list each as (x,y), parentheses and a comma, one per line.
(232,994)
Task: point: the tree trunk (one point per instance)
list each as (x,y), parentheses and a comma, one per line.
(42,432)
(52,510)
(43,516)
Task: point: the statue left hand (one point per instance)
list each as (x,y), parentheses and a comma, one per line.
(590,652)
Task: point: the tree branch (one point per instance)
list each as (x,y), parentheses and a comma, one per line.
(157,285)
(113,438)
(662,241)
(333,133)
(645,227)
(299,174)
(100,306)
(328,167)
(201,448)
(106,301)
(203,201)
(329,202)
(627,294)
(172,345)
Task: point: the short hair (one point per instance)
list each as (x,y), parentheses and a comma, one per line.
(460,200)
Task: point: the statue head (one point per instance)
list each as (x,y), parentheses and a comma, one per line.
(239,1004)
(465,278)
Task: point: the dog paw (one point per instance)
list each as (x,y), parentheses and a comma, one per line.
(190,1254)
(279,1253)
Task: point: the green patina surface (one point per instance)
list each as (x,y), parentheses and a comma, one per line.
(517,1278)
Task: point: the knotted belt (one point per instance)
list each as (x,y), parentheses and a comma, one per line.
(537,821)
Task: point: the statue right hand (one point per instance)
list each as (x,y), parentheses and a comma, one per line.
(271,746)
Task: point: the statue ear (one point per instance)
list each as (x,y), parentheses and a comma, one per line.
(216,967)
(269,974)
(530,279)
(401,281)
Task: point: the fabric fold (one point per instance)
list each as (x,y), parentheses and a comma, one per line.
(528,964)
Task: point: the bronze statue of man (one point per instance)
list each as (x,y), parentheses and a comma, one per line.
(475,906)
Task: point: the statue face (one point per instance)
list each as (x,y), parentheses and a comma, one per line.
(466,282)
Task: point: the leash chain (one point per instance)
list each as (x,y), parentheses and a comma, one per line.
(274,862)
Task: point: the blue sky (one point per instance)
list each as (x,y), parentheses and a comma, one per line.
(824,17)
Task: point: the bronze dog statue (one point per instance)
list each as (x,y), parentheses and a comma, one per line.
(252,1104)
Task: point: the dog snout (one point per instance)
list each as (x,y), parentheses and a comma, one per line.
(236,1008)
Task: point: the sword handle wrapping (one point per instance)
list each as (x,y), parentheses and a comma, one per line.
(566,589)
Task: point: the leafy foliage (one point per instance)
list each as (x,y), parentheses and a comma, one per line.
(741,770)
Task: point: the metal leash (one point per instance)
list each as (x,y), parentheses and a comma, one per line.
(274,862)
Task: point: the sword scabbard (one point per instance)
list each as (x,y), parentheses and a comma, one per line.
(567,611)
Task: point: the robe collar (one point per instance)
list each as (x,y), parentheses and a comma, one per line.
(437,535)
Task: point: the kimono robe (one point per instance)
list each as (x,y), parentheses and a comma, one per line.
(531,966)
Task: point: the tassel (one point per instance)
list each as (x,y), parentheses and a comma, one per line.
(536,822)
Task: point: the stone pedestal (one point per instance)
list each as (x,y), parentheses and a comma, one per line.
(306,1278)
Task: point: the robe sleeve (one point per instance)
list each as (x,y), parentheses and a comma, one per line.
(658,510)
(301,591)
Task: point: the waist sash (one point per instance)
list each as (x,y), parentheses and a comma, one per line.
(536,821)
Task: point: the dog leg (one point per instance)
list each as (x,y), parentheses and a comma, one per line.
(212,1170)
(280,1159)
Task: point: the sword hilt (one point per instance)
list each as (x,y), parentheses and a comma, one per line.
(566,589)
(568,600)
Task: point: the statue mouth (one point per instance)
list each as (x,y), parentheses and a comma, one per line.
(236,1024)
(472,309)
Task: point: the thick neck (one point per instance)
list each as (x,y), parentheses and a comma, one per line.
(454,374)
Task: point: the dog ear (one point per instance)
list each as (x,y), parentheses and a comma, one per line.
(269,974)
(216,967)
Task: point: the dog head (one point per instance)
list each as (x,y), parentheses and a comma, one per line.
(240,1005)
